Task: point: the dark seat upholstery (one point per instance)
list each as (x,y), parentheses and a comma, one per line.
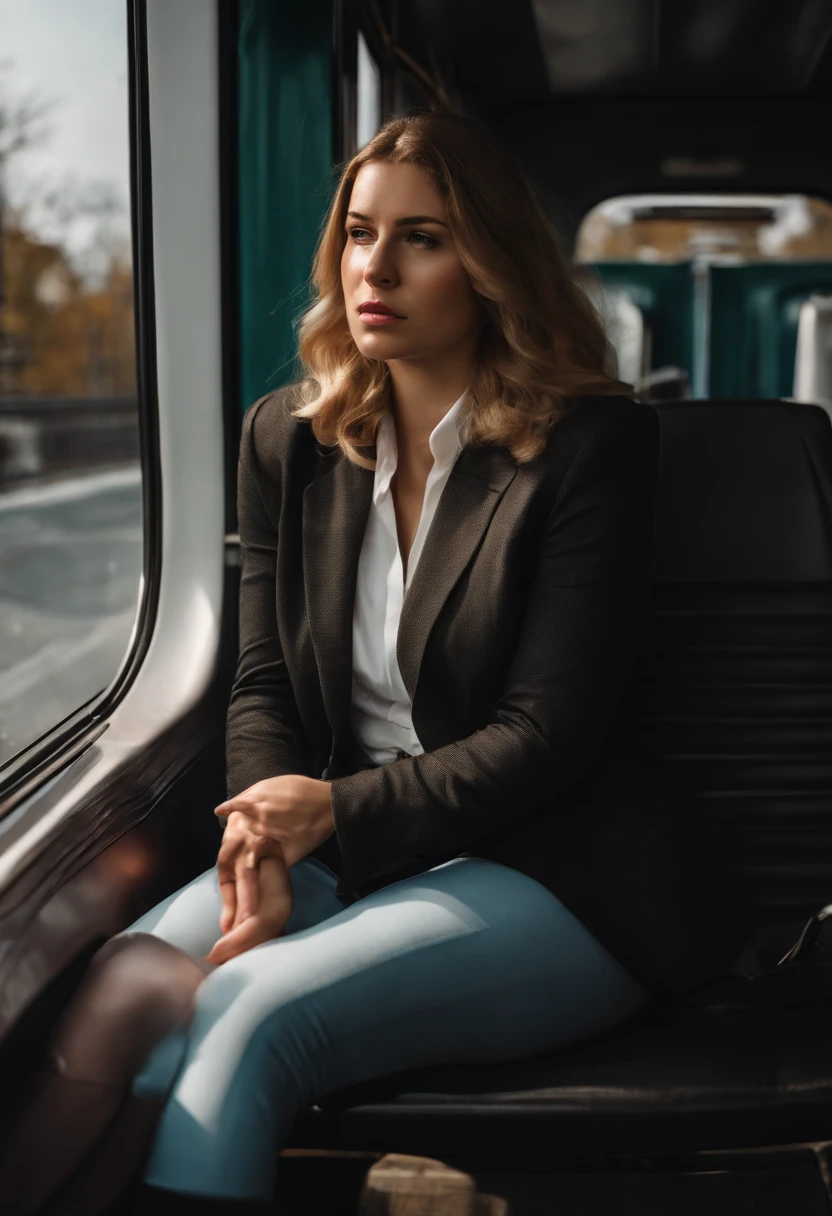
(662,1084)
(737,700)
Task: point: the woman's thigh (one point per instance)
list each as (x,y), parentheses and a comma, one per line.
(190,918)
(470,961)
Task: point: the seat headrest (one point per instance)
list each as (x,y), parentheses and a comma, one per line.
(744,493)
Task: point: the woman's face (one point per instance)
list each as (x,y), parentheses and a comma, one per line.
(400,251)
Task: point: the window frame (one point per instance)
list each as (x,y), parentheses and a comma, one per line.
(348,21)
(169,711)
(361,37)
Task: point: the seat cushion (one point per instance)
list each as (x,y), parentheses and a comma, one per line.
(668,1081)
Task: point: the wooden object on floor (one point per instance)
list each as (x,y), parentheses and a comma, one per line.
(399,1185)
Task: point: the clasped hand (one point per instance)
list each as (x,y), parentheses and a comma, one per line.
(296,811)
(270,826)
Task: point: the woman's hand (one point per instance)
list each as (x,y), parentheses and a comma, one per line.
(240,853)
(251,912)
(267,922)
(294,810)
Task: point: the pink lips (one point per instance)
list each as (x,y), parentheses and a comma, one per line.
(379,318)
(374,312)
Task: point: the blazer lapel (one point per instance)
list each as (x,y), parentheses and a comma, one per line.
(469,498)
(336,506)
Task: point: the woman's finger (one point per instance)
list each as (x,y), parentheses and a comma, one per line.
(227,879)
(244,936)
(228,894)
(268,922)
(276,897)
(272,885)
(248,885)
(239,803)
(241,938)
(248,810)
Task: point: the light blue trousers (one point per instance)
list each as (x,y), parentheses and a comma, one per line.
(470,961)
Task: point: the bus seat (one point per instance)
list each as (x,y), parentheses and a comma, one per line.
(738,698)
(665,384)
(627,331)
(813,353)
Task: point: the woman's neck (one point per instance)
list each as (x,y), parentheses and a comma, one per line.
(421,397)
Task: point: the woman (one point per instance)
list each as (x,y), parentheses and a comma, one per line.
(446,538)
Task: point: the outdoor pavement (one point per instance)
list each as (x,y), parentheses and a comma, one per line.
(70,576)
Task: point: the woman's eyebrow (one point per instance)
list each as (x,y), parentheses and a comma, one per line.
(408,219)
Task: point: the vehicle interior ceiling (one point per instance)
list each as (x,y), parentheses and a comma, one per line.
(607,98)
(718,98)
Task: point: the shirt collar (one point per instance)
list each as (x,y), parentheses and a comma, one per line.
(444,444)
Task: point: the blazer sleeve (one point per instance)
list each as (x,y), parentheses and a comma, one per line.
(584,626)
(264,732)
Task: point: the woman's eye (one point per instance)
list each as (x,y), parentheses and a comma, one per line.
(422,237)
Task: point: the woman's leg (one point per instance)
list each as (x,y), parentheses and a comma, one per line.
(126,1023)
(190,920)
(135,990)
(471,961)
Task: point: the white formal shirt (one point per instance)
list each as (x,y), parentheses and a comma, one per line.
(380,711)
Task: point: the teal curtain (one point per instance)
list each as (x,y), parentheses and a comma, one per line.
(751,322)
(286,179)
(664,293)
(754,314)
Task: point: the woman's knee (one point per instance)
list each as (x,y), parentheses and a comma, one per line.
(189,918)
(135,991)
(254,1002)
(243,980)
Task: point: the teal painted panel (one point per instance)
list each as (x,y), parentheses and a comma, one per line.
(754,313)
(286,181)
(664,293)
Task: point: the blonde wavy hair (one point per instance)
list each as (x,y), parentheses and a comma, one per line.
(542,343)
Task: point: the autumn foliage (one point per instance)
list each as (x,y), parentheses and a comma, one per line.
(63,336)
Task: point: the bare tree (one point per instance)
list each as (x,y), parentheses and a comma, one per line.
(22,125)
(22,118)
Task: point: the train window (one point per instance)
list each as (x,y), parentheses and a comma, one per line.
(715,296)
(369,93)
(70,476)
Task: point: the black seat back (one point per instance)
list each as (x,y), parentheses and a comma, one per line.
(738,691)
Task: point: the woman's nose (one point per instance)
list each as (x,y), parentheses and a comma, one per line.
(379,267)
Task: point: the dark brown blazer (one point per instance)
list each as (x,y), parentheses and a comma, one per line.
(519,643)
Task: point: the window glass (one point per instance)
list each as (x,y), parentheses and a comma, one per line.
(70,478)
(369,93)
